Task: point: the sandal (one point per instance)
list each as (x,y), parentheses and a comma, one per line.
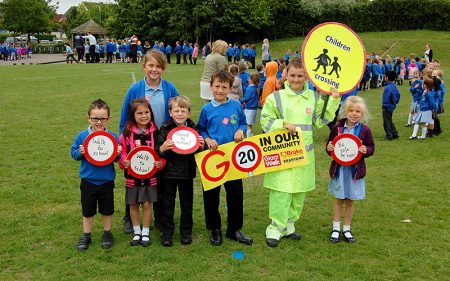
(332,239)
(350,239)
(136,240)
(147,242)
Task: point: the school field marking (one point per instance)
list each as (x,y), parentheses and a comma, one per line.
(390,48)
(133,76)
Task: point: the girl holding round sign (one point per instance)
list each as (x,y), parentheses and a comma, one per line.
(349,143)
(140,162)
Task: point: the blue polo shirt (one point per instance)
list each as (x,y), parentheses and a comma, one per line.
(157,103)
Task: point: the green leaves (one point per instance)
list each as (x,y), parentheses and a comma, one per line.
(26,16)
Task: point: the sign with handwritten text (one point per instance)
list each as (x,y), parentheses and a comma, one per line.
(142,162)
(346,149)
(100,148)
(185,140)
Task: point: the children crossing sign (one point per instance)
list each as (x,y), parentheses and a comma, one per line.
(333,56)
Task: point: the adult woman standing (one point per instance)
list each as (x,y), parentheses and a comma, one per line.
(428,53)
(213,62)
(265,50)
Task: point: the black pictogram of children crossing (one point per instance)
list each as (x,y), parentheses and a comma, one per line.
(324,60)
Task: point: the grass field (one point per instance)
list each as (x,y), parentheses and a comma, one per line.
(44,107)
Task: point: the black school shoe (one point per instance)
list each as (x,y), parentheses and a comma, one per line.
(294,236)
(335,240)
(107,240)
(127,227)
(351,239)
(272,242)
(166,241)
(186,239)
(240,237)
(216,237)
(83,243)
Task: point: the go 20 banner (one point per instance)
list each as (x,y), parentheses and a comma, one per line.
(256,155)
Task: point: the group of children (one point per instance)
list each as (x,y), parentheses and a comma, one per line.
(427,91)
(14,52)
(224,120)
(377,67)
(140,129)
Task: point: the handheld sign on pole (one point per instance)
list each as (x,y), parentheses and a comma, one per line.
(333,55)
(346,149)
(100,148)
(185,140)
(142,162)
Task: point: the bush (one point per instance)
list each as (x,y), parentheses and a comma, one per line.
(4,36)
(48,48)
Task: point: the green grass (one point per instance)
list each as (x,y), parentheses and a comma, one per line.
(44,107)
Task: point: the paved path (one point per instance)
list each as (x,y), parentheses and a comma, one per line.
(37,59)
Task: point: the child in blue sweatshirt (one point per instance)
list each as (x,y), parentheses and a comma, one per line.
(391,97)
(251,100)
(97,182)
(222,121)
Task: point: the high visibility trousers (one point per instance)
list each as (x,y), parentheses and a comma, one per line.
(284,210)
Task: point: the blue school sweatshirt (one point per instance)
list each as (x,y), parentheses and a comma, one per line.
(97,175)
(168,49)
(416,92)
(391,96)
(220,121)
(427,101)
(251,97)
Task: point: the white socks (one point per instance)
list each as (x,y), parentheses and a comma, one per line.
(347,234)
(249,133)
(424,132)
(410,118)
(137,231)
(416,129)
(336,226)
(145,234)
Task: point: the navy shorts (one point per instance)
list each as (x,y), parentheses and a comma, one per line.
(93,195)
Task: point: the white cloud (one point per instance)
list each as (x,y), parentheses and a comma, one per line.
(64,5)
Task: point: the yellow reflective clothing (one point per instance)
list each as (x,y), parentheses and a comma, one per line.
(303,110)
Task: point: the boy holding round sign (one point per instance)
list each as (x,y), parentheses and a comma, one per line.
(97,149)
(349,143)
(178,141)
(295,107)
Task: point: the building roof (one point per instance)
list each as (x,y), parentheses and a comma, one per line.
(90,26)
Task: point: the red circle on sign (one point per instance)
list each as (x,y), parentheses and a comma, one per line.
(92,159)
(181,150)
(246,157)
(303,55)
(354,141)
(136,150)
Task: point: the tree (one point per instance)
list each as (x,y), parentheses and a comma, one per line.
(27,16)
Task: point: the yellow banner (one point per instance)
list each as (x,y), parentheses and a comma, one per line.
(256,155)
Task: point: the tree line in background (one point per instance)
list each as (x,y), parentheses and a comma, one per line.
(232,20)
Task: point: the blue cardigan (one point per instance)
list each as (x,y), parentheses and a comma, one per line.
(137,90)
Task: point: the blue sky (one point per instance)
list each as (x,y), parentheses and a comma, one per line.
(64,5)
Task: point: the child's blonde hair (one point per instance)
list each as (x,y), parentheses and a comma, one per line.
(180,101)
(356,101)
(156,55)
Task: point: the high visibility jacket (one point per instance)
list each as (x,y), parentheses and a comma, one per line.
(303,110)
